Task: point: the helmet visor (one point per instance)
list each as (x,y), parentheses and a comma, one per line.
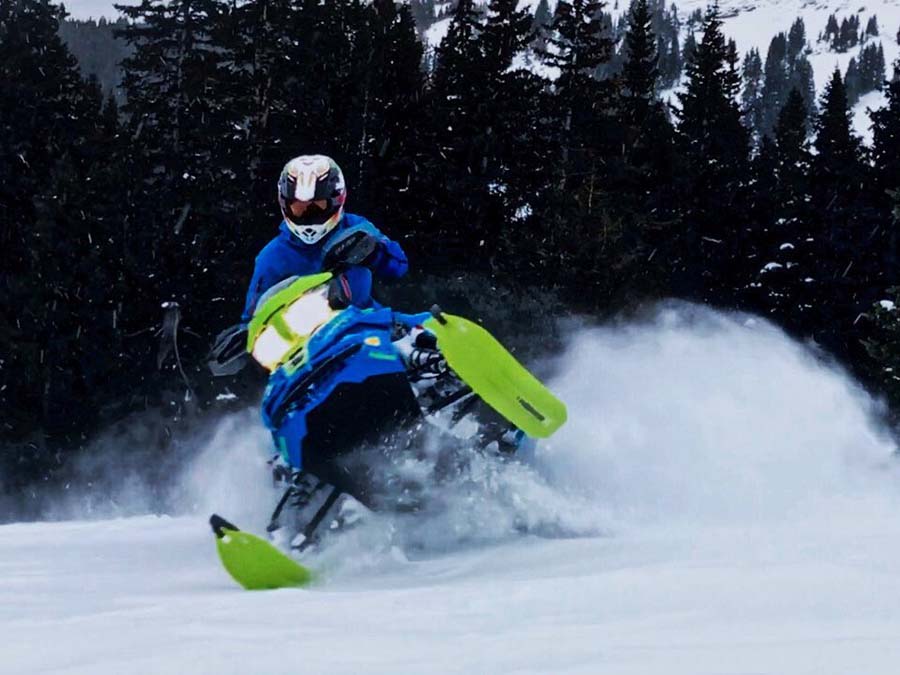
(313,212)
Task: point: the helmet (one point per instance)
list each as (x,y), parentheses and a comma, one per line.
(311,194)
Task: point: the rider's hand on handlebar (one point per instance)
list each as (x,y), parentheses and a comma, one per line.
(356,248)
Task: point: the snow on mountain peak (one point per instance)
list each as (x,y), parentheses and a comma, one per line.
(750,23)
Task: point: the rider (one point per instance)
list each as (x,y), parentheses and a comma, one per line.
(316,234)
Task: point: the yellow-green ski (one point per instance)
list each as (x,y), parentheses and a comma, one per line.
(255,563)
(496,376)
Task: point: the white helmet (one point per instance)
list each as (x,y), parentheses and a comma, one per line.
(311,194)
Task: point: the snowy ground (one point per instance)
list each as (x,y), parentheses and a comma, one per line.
(145,595)
(721,502)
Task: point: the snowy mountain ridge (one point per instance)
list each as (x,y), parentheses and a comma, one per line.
(753,23)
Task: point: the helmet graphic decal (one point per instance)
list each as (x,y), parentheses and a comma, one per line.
(306,172)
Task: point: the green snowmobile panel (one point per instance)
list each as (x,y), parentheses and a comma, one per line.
(255,563)
(496,376)
(269,311)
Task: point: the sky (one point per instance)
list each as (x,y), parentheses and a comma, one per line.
(86,9)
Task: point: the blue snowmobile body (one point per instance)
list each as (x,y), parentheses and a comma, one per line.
(348,374)
(352,377)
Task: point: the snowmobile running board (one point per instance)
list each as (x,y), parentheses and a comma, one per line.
(255,563)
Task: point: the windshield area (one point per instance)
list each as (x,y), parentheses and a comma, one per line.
(280,286)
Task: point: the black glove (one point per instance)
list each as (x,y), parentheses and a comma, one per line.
(356,248)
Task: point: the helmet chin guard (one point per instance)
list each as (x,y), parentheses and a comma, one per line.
(310,234)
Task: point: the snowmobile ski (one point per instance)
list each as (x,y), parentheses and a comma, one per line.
(255,563)
(496,376)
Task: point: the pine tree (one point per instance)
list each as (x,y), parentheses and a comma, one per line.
(775,83)
(792,140)
(542,15)
(185,133)
(853,82)
(580,46)
(751,95)
(881,347)
(832,29)
(690,46)
(848,250)
(762,206)
(581,43)
(715,145)
(848,36)
(270,100)
(58,287)
(458,51)
(865,75)
(640,72)
(506,32)
(796,40)
(872,26)
(793,286)
(885,155)
(641,175)
(516,138)
(395,106)
(838,151)
(577,226)
(455,121)
(670,62)
(886,141)
(801,79)
(709,112)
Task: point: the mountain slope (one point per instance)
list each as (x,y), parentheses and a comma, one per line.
(753,24)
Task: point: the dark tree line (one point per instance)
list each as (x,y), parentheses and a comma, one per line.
(129,236)
(767,84)
(846,34)
(865,74)
(97,49)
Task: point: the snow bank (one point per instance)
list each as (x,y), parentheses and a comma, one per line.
(222,466)
(701,416)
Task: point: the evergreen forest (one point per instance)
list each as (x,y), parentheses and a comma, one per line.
(138,162)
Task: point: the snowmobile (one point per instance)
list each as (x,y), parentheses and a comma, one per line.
(347,374)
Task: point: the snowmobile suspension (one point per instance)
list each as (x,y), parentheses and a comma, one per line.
(316,520)
(427,362)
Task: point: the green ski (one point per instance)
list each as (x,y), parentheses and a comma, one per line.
(496,376)
(255,563)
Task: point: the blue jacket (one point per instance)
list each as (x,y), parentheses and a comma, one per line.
(285,256)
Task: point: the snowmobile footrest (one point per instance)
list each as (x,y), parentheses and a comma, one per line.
(317,519)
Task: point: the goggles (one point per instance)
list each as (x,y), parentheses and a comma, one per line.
(314,212)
